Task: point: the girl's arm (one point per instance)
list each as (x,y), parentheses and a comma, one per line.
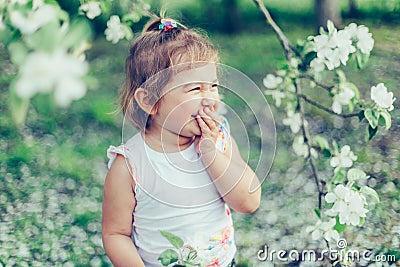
(118,205)
(234,179)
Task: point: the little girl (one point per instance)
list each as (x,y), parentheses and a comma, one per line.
(171,184)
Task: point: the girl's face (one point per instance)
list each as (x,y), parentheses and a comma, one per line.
(187,93)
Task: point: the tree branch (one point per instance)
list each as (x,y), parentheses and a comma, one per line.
(318,105)
(287,46)
(323,86)
(307,139)
(289,50)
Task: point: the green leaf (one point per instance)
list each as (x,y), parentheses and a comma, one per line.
(318,212)
(362,221)
(341,76)
(371,132)
(372,117)
(18,107)
(351,105)
(127,32)
(385,119)
(52,2)
(78,31)
(368,191)
(321,30)
(309,57)
(46,38)
(192,255)
(362,60)
(354,88)
(168,256)
(326,153)
(355,174)
(9,35)
(18,53)
(361,115)
(339,176)
(63,15)
(330,26)
(338,226)
(335,146)
(173,239)
(105,6)
(322,142)
(132,17)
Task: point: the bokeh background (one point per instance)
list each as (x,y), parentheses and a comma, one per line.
(52,168)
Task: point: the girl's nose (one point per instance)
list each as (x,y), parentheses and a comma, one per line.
(208,102)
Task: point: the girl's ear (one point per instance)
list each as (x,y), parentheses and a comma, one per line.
(143,98)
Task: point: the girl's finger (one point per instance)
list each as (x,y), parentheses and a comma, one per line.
(203,126)
(213,114)
(211,122)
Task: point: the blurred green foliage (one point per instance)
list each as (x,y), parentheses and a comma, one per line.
(232,16)
(61,153)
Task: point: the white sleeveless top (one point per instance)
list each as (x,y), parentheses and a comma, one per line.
(174,193)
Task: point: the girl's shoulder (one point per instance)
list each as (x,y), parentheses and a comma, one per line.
(126,149)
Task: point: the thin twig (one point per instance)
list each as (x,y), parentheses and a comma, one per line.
(287,46)
(318,105)
(323,86)
(289,50)
(307,140)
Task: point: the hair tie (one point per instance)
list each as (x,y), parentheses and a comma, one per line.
(167,24)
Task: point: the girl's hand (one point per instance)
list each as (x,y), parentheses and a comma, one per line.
(208,121)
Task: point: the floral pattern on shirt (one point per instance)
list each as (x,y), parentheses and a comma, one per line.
(213,254)
(223,133)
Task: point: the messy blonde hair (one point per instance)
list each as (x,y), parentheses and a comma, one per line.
(155,51)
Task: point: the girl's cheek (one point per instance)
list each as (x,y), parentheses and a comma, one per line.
(216,105)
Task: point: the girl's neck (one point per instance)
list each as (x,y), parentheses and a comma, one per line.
(165,141)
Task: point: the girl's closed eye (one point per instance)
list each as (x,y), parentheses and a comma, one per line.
(214,86)
(195,89)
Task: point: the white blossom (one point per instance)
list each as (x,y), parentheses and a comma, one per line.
(42,72)
(19,2)
(299,147)
(293,120)
(342,98)
(323,229)
(271,81)
(316,233)
(92,9)
(69,89)
(276,95)
(317,64)
(114,31)
(314,153)
(348,204)
(344,159)
(37,3)
(323,46)
(382,97)
(344,46)
(361,36)
(334,48)
(34,19)
(396,229)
